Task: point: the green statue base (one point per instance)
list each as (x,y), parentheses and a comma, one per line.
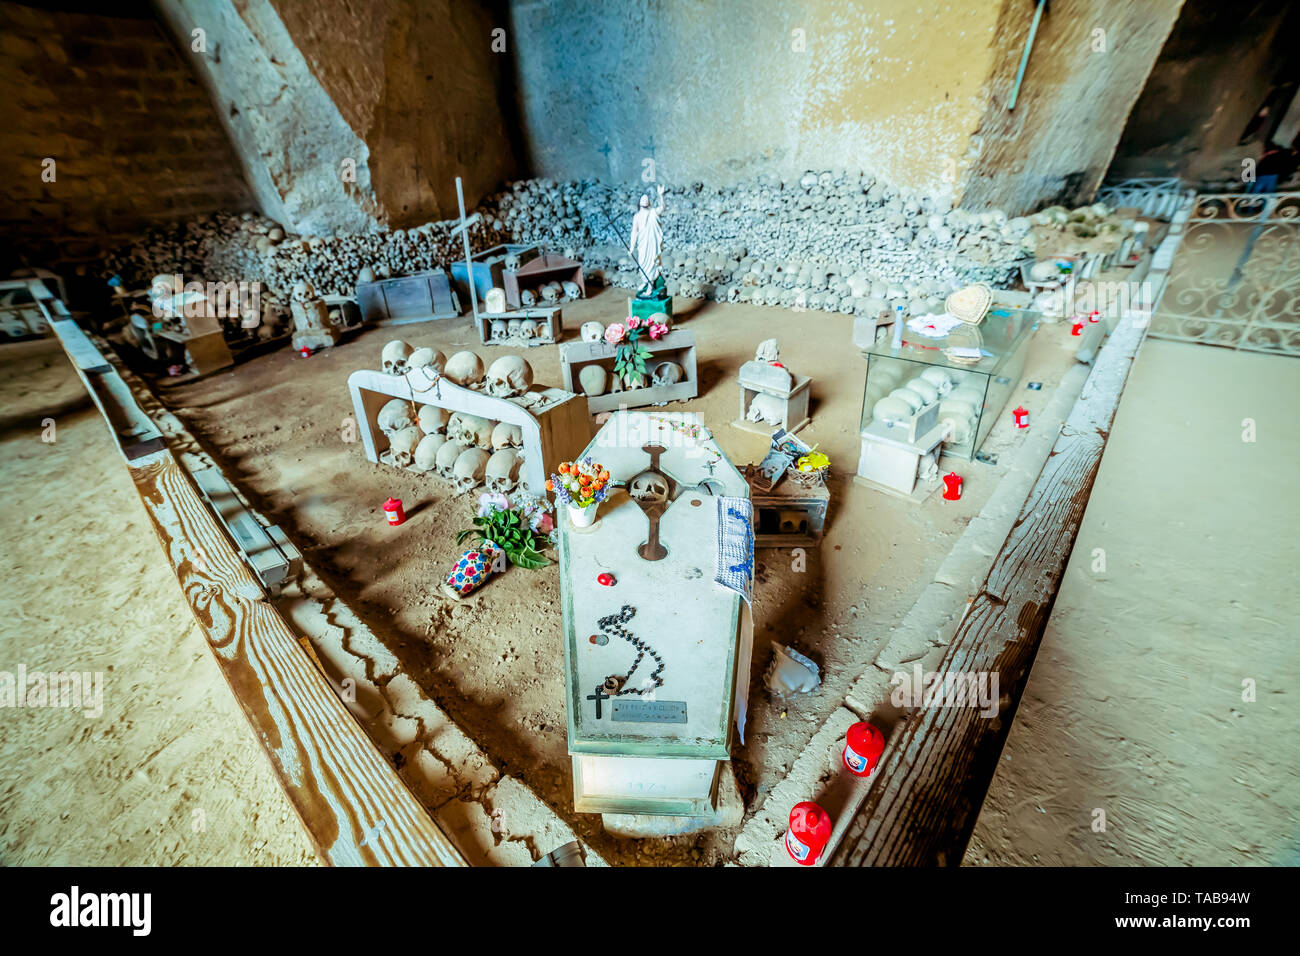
(644,306)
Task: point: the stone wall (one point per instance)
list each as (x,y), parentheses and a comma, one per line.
(1057,144)
(722,91)
(133,136)
(1237,51)
(349,117)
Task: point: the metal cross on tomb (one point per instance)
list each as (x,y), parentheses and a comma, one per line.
(598,697)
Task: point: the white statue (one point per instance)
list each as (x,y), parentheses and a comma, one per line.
(647,242)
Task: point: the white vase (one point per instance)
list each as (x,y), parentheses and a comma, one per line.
(583,517)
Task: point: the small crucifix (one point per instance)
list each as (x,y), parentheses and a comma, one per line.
(598,697)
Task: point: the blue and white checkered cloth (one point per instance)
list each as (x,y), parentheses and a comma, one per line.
(735,568)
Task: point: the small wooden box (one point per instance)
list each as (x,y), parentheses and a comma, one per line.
(790,515)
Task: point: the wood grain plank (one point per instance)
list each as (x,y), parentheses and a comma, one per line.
(931,782)
(351,801)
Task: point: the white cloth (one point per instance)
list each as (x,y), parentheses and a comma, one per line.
(646,243)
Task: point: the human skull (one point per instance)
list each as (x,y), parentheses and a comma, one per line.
(793,522)
(939,378)
(502,471)
(445,459)
(395,357)
(591,331)
(499,330)
(509,376)
(470,429)
(767,351)
(467,472)
(395,416)
(890,411)
(464,368)
(667,373)
(495,300)
(543,331)
(401,445)
(649,486)
(572,291)
(432,419)
(427,358)
(551,293)
(913,401)
(925,389)
(767,409)
(505,435)
(528,298)
(511,261)
(527,329)
(426,453)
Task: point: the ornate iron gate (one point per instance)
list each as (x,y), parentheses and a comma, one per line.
(1235,280)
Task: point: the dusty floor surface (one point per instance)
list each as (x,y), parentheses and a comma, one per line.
(495,662)
(1180,594)
(169,772)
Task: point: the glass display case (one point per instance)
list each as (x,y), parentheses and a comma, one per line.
(970,389)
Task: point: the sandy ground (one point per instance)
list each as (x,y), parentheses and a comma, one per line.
(495,662)
(169,772)
(1137,707)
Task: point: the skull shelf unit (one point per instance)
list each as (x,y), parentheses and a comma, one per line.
(554,427)
(771,399)
(545,327)
(677,347)
(663,753)
(537,272)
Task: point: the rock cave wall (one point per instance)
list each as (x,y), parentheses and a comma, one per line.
(722,92)
(89,92)
(1215,71)
(352,117)
(1089,63)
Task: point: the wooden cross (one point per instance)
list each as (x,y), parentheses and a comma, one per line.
(598,697)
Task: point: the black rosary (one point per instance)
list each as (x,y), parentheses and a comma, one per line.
(615,686)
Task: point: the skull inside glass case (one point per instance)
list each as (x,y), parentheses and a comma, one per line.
(962,381)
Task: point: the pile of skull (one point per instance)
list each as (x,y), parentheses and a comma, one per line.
(894,402)
(251,248)
(463,449)
(834,241)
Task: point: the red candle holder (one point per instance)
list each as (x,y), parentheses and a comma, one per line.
(1021,416)
(863,747)
(393,509)
(810,831)
(1077,327)
(952,486)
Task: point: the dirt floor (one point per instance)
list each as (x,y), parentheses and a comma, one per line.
(494,662)
(1158,702)
(169,772)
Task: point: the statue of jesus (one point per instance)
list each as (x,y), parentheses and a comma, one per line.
(647,242)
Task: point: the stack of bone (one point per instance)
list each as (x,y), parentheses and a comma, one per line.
(837,242)
(467,451)
(251,248)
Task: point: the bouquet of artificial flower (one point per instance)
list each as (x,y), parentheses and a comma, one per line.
(630,357)
(522,530)
(579,483)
